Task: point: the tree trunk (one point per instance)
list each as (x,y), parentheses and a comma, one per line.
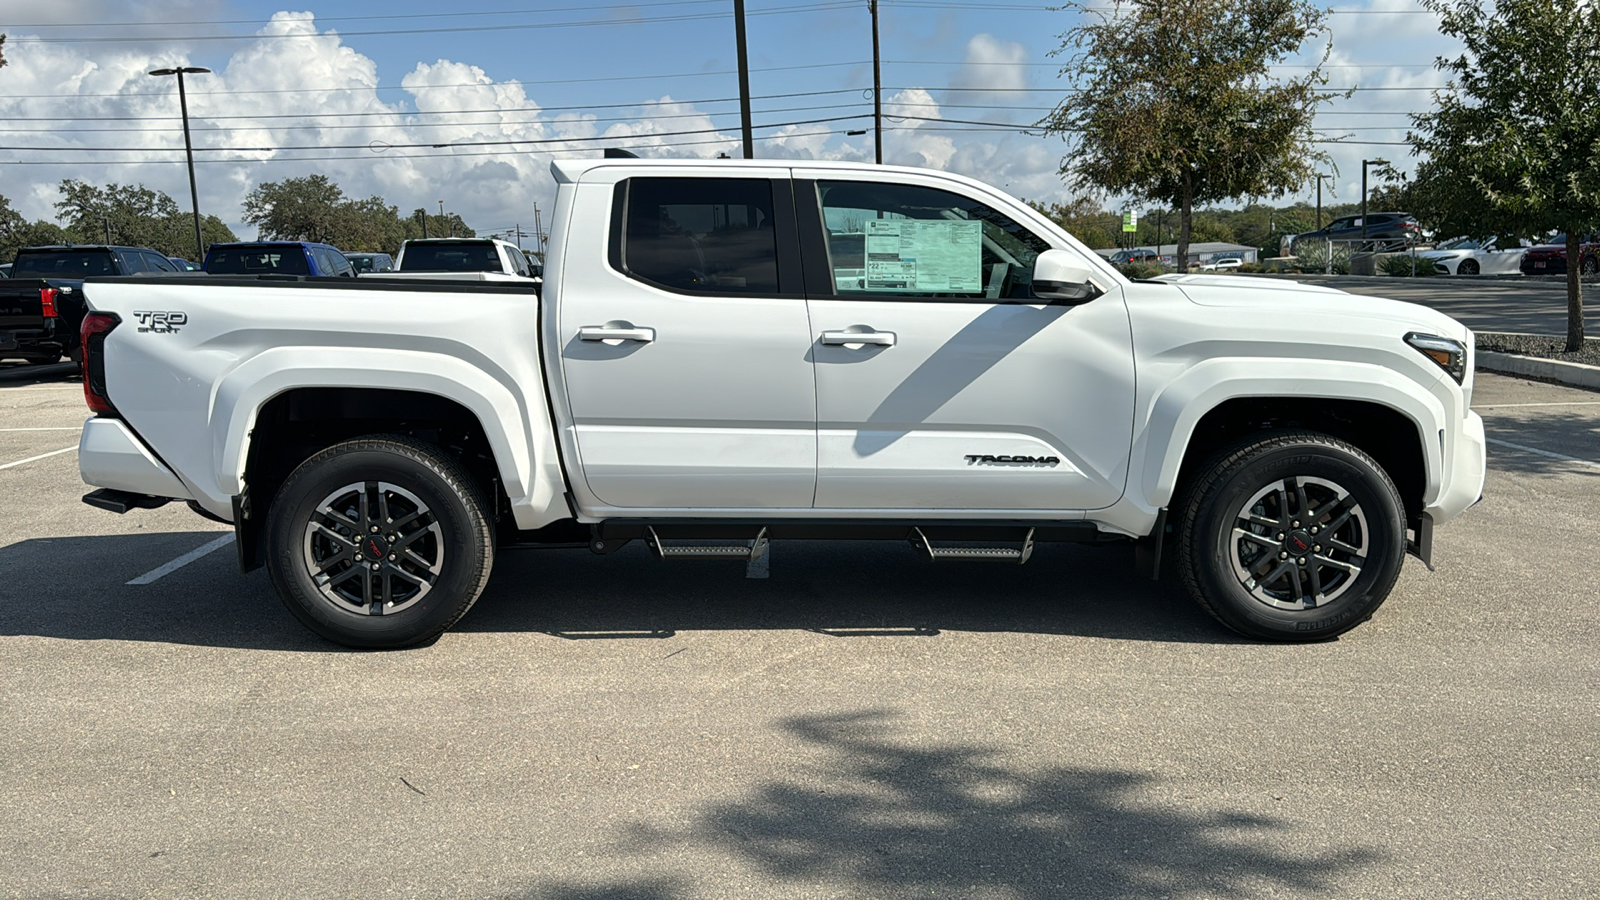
(1185,220)
(1574,291)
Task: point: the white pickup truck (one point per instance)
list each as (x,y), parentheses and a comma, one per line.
(735,352)
(460,259)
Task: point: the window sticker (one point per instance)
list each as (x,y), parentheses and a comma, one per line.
(916,256)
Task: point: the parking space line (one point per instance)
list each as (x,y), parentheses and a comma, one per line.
(173,566)
(40,456)
(52,428)
(1559,403)
(1536,451)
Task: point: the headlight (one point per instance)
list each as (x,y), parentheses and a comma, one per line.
(1451,355)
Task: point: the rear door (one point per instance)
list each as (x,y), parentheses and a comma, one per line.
(684,340)
(942,382)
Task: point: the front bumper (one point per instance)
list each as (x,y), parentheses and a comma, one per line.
(1465,465)
(110,455)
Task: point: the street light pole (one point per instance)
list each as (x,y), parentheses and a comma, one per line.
(188,146)
(1320,176)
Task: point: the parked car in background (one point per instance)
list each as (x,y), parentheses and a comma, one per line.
(183,264)
(41,303)
(1551,258)
(1476,256)
(278,258)
(1222,264)
(462,259)
(365,263)
(1385,231)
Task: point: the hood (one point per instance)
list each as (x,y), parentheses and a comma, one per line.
(1270,296)
(1444,254)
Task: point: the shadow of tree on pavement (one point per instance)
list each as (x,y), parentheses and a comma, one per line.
(883,819)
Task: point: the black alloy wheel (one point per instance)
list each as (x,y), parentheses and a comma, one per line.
(1467,267)
(379,542)
(1291,536)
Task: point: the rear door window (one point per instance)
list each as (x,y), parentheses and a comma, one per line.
(698,235)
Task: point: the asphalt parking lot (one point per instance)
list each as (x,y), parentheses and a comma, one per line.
(860,724)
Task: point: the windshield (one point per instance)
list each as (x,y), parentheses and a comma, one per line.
(1460,243)
(451,257)
(63,264)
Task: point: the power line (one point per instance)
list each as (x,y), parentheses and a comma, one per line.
(463,29)
(453,112)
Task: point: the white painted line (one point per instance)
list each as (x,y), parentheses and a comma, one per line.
(184,560)
(40,456)
(52,428)
(1561,403)
(1536,451)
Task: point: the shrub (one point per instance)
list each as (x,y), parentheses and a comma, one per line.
(1401,266)
(1139,271)
(1312,256)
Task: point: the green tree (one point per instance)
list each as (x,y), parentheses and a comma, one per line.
(1173,102)
(1514,146)
(2,51)
(1084,219)
(295,209)
(17,232)
(133,215)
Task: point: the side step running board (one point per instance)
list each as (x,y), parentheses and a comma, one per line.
(1019,555)
(751,551)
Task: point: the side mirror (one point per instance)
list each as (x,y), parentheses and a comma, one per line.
(1059,278)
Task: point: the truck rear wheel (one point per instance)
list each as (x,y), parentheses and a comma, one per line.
(1293,536)
(379,542)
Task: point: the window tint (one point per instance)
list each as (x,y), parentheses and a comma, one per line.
(711,235)
(133,262)
(62,264)
(155,262)
(257,261)
(456,256)
(904,240)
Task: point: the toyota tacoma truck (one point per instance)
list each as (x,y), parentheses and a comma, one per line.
(733,353)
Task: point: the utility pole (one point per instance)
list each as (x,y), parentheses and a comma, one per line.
(1320,176)
(108,229)
(538,230)
(877,87)
(744,80)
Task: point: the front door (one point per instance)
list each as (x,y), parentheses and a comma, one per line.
(685,342)
(942,383)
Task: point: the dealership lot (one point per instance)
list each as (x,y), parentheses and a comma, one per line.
(859,724)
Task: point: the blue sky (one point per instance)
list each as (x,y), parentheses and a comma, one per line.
(355,81)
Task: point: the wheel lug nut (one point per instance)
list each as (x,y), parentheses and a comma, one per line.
(375,567)
(1315,529)
(1280,535)
(1301,561)
(358,557)
(1295,523)
(1282,555)
(374,529)
(1317,547)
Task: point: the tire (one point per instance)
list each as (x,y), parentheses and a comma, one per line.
(321,540)
(1589,266)
(1255,584)
(1467,267)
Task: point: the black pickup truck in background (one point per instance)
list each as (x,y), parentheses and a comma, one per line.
(41,304)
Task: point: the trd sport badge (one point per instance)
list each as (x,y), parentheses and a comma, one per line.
(160,321)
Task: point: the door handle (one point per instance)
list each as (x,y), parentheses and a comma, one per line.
(858,338)
(616,331)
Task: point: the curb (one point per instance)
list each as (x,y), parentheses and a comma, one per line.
(1568,373)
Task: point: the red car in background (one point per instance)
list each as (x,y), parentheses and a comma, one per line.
(1551,258)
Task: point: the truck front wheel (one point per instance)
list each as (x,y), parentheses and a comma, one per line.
(379,542)
(1293,536)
